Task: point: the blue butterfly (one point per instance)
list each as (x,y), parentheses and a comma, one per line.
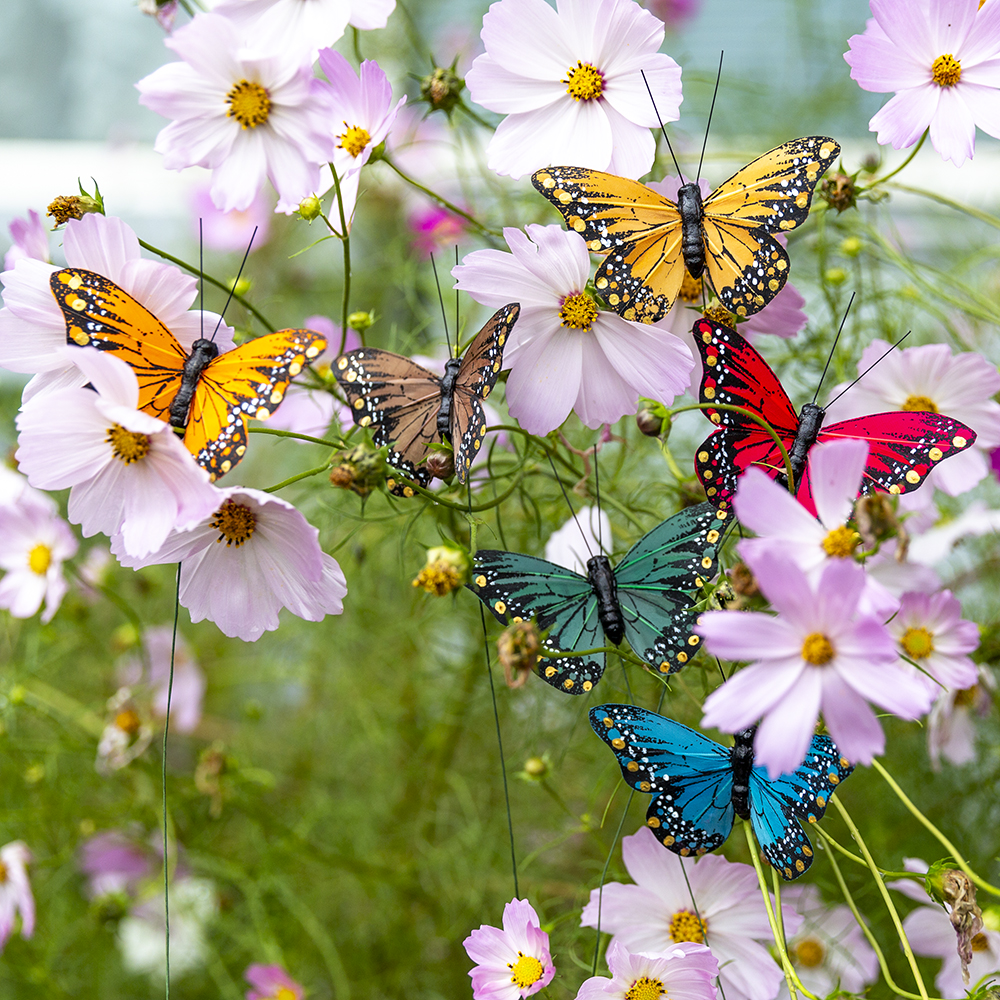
(699,785)
(648,598)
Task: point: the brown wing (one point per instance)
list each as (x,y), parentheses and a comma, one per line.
(398,399)
(476,378)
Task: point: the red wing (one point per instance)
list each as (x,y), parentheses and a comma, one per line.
(725,455)
(100,314)
(247,382)
(476,378)
(398,399)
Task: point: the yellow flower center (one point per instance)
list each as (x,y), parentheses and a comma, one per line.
(128,721)
(249,103)
(578,311)
(439,578)
(584,82)
(39,559)
(718,313)
(3,873)
(526,971)
(967,696)
(817,649)
(918,643)
(690,289)
(645,988)
(919,404)
(809,953)
(947,70)
(284,993)
(840,542)
(127,446)
(979,942)
(355,139)
(235,523)
(685,926)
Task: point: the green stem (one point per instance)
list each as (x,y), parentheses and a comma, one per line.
(890,906)
(443,202)
(883,965)
(675,469)
(757,418)
(294,479)
(902,166)
(990,220)
(212,281)
(298,437)
(465,508)
(345,237)
(948,845)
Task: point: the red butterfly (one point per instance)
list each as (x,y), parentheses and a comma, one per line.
(903,446)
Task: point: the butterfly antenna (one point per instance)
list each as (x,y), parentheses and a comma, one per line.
(597,490)
(201,275)
(572,512)
(869,368)
(711,110)
(662,127)
(456,297)
(163,778)
(840,330)
(444,316)
(232,291)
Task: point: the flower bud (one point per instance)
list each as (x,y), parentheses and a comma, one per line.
(649,423)
(442,89)
(851,247)
(310,208)
(835,275)
(840,192)
(743,581)
(876,519)
(360,321)
(447,568)
(536,768)
(71,206)
(360,470)
(718,313)
(441,464)
(517,648)
(240,286)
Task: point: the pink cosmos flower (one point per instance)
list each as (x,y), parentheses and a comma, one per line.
(930,631)
(835,470)
(951,729)
(32,327)
(435,229)
(656,914)
(129,472)
(115,863)
(930,933)
(31,240)
(939,57)
(569,82)
(271,560)
(577,540)
(232,231)
(564,353)
(819,654)
(34,543)
(930,378)
(361,115)
(674,13)
(685,971)
(511,963)
(829,951)
(15,891)
(271,982)
(242,114)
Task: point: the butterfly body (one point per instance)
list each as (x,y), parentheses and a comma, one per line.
(698,785)
(210,396)
(903,445)
(409,407)
(649,241)
(648,598)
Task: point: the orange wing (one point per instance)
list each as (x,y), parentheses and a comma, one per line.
(248,382)
(100,314)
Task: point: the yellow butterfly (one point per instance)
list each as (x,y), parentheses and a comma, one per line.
(650,241)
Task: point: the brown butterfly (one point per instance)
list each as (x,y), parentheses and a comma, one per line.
(408,407)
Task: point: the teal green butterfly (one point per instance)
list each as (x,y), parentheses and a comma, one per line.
(648,598)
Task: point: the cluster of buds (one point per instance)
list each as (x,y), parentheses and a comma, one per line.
(442,89)
(840,191)
(360,470)
(518,648)
(446,569)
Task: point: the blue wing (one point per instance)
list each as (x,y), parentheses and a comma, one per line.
(657,579)
(515,586)
(690,775)
(776,806)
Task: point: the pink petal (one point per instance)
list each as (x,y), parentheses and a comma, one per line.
(528,38)
(852,724)
(953,129)
(543,386)
(748,635)
(783,736)
(835,470)
(500,90)
(983,103)
(882,66)
(751,692)
(905,118)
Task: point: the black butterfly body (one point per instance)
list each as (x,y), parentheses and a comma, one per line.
(408,407)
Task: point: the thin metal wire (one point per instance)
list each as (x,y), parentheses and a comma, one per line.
(711,110)
(829,358)
(163,784)
(443,316)
(568,504)
(869,368)
(232,291)
(660,120)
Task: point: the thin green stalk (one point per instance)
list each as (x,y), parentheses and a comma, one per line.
(902,166)
(53,702)
(990,220)
(417,488)
(345,238)
(298,437)
(890,906)
(883,965)
(212,281)
(443,202)
(555,654)
(294,479)
(947,844)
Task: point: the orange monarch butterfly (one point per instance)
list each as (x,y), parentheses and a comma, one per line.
(207,396)
(408,407)
(649,241)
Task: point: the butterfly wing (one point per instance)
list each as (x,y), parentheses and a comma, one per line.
(247,382)
(517,587)
(476,378)
(637,228)
(776,806)
(657,578)
(735,373)
(100,314)
(398,399)
(690,775)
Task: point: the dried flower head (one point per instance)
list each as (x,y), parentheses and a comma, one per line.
(65,207)
(361,470)
(446,570)
(957,892)
(839,191)
(518,648)
(875,517)
(743,580)
(442,89)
